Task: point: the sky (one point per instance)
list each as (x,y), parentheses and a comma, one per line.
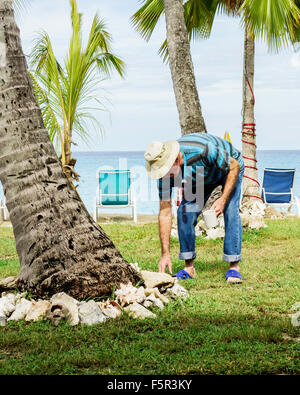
(141,107)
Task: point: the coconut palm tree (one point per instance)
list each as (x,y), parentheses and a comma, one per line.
(59,245)
(273,20)
(66,92)
(276,22)
(182,71)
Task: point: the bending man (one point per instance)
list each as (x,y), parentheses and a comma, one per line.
(198,163)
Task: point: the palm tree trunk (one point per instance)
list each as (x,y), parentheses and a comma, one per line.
(250,185)
(59,245)
(182,70)
(69,163)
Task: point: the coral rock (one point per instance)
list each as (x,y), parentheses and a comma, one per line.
(256,222)
(215,233)
(127,294)
(110,308)
(271,212)
(174,233)
(177,291)
(152,300)
(136,310)
(68,304)
(8,283)
(157,294)
(55,314)
(7,305)
(37,310)
(135,266)
(90,313)
(154,279)
(21,310)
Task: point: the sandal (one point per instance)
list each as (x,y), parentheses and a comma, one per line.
(235,274)
(183,275)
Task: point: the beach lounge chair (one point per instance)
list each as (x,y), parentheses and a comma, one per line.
(278,188)
(114,191)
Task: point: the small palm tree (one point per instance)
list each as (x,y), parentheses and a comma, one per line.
(65,92)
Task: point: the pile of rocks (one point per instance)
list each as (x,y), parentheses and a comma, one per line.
(202,230)
(139,302)
(271,212)
(252,216)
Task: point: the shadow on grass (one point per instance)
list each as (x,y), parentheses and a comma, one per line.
(184,339)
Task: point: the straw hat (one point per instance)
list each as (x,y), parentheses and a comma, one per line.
(160,157)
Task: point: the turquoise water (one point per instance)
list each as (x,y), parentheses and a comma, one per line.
(145,190)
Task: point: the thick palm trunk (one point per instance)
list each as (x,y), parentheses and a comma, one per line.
(250,184)
(182,70)
(59,245)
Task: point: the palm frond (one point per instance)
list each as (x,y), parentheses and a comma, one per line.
(295,28)
(49,75)
(199,17)
(146,17)
(198,14)
(99,35)
(42,59)
(49,113)
(76,17)
(67,94)
(82,65)
(271,20)
(229,7)
(107,62)
(164,51)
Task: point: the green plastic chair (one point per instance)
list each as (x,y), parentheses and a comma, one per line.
(114,191)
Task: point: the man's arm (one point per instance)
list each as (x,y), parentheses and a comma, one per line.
(230,182)
(165,226)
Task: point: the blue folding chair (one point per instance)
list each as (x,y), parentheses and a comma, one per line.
(114,191)
(278,188)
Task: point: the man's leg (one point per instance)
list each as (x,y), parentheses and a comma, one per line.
(187,215)
(233,230)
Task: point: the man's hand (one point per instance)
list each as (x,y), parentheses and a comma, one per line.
(219,206)
(165,225)
(165,262)
(230,182)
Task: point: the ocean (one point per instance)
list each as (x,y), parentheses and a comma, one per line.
(145,190)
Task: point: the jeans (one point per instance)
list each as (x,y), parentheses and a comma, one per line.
(187,215)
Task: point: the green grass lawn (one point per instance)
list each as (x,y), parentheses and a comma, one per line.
(219,329)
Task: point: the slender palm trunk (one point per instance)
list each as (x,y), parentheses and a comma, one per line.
(250,184)
(59,245)
(182,70)
(68,154)
(68,164)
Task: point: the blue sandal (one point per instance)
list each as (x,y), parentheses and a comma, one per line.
(233,273)
(183,275)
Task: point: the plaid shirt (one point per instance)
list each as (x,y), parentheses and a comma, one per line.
(210,154)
